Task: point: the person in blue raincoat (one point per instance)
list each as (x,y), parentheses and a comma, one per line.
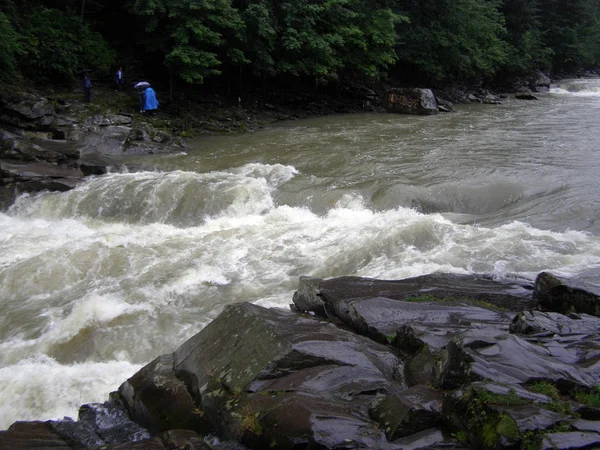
(150,102)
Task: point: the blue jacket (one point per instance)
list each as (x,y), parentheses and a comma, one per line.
(151,102)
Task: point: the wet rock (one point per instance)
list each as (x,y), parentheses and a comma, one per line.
(184,439)
(150,148)
(109,140)
(33,435)
(513,359)
(110,420)
(37,170)
(444,105)
(432,439)
(411,101)
(308,296)
(571,440)
(23,149)
(98,164)
(564,296)
(587,412)
(525,96)
(286,378)
(491,99)
(586,425)
(513,295)
(80,432)
(160,401)
(367,364)
(540,82)
(26,111)
(109,120)
(532,418)
(409,412)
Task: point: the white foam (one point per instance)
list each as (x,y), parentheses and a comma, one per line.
(41,389)
(122,285)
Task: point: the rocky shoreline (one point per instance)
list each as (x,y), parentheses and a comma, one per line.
(52,141)
(434,362)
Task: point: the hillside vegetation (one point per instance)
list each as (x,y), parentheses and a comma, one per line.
(236,44)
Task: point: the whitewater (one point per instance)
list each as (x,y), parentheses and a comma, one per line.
(98,281)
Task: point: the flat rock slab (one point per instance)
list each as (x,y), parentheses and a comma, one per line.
(37,170)
(315,294)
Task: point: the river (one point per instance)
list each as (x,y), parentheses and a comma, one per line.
(98,281)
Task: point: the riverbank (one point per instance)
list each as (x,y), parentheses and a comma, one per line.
(51,138)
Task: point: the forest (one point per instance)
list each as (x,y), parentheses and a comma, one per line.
(296,42)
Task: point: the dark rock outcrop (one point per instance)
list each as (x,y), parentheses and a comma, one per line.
(411,101)
(525,96)
(53,145)
(438,361)
(566,296)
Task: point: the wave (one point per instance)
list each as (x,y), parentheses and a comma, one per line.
(28,396)
(578,87)
(178,198)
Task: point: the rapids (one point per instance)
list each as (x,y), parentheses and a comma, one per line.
(98,281)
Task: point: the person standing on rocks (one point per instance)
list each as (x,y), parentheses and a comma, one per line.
(120,79)
(87,88)
(150,103)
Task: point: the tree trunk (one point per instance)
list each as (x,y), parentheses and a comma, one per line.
(82,9)
(171,83)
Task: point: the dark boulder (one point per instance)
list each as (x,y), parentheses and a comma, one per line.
(281,377)
(540,82)
(565,296)
(525,96)
(411,101)
(26,111)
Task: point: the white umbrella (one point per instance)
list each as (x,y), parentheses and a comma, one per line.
(141,84)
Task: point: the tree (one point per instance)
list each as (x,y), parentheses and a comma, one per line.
(452,40)
(10,46)
(572,30)
(55,44)
(195,37)
(319,38)
(526,51)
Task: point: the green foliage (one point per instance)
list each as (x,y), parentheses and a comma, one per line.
(261,38)
(453,40)
(54,45)
(526,50)
(571,29)
(320,39)
(546,388)
(486,427)
(589,398)
(195,36)
(10,49)
(424,41)
(510,399)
